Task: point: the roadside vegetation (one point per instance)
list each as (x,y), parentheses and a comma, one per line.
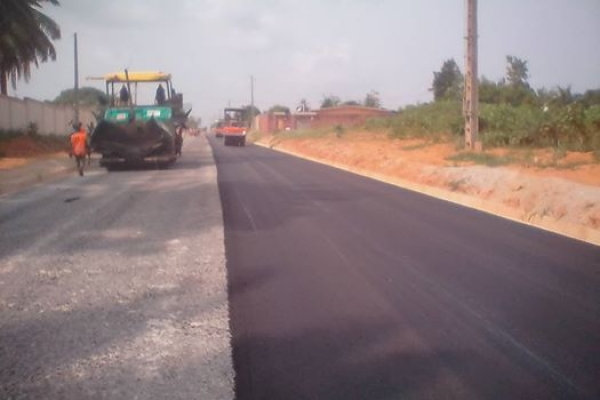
(516,122)
(512,114)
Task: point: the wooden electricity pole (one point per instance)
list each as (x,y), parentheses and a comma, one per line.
(471,98)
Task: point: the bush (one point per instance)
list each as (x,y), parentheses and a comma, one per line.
(592,124)
(572,127)
(428,120)
(505,125)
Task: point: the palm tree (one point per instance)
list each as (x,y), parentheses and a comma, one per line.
(26,36)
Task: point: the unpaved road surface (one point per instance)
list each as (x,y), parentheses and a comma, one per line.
(346,288)
(114,286)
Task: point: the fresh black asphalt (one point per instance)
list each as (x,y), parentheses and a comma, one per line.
(341,287)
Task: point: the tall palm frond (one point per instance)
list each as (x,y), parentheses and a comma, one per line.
(26,36)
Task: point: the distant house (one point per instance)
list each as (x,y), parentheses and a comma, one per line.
(270,122)
(324,118)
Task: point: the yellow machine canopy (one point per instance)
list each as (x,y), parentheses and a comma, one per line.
(138,76)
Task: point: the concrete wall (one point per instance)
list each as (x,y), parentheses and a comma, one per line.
(17,114)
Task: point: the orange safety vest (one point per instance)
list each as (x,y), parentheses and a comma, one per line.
(79,143)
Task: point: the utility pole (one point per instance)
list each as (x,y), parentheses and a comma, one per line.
(471,96)
(76,85)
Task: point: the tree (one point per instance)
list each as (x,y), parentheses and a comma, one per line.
(87,96)
(591,97)
(517,72)
(194,122)
(26,36)
(489,92)
(249,113)
(330,101)
(303,106)
(447,83)
(372,99)
(279,108)
(351,103)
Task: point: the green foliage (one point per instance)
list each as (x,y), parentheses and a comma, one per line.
(330,101)
(517,71)
(571,127)
(87,96)
(434,120)
(251,111)
(505,125)
(26,36)
(279,108)
(372,99)
(592,118)
(488,159)
(303,106)
(447,83)
(591,98)
(501,93)
(32,129)
(565,127)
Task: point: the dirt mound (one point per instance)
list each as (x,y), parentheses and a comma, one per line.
(24,146)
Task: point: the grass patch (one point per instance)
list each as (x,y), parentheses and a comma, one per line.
(6,135)
(487,159)
(415,146)
(555,165)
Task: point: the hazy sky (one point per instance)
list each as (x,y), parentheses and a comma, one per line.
(310,48)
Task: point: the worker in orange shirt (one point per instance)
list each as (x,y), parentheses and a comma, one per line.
(79,146)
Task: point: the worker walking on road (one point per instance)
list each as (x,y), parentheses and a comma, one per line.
(79,146)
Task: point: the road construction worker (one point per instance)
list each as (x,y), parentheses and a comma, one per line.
(179,138)
(160,96)
(79,146)
(124,96)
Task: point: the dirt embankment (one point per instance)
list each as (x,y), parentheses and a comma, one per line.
(557,191)
(20,149)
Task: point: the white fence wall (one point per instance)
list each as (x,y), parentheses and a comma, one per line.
(17,114)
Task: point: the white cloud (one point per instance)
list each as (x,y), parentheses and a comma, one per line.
(328,62)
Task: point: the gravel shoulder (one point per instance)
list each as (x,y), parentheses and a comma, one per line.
(114,286)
